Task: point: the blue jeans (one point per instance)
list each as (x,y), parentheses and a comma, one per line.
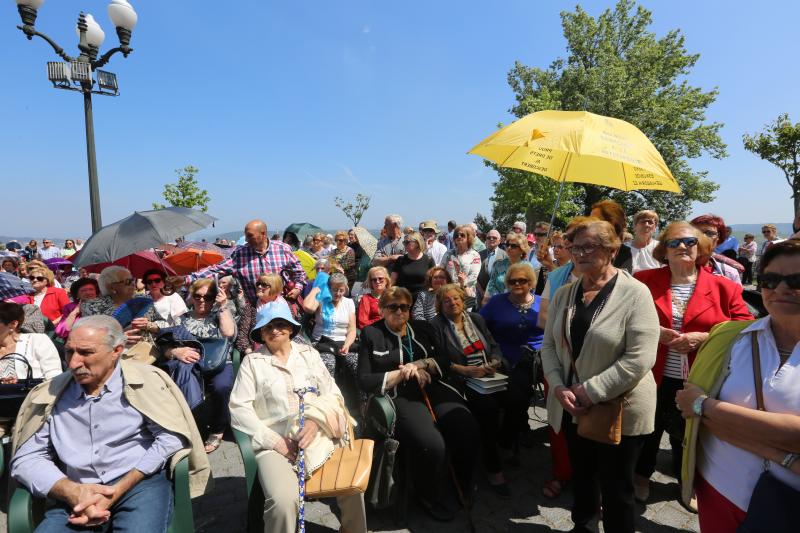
(146,507)
(218,394)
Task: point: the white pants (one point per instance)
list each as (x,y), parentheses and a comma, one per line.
(279,483)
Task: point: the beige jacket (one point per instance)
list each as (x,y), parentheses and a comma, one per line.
(618,352)
(151,392)
(264,405)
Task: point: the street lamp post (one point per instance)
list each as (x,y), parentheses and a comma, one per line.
(76,73)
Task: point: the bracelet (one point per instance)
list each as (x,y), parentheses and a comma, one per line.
(788,460)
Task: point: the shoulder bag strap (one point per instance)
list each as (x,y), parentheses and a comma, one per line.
(573,371)
(757,371)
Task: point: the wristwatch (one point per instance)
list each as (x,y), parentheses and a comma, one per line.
(697,405)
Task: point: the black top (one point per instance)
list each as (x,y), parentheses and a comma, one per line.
(624,259)
(411,272)
(584,315)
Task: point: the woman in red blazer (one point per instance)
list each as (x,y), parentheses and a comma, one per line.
(51,300)
(690,300)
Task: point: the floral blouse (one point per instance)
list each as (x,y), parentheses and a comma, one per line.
(105,306)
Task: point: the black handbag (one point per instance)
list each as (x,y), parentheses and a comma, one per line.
(772,504)
(13,394)
(380,417)
(215,355)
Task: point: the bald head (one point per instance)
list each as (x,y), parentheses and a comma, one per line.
(255,233)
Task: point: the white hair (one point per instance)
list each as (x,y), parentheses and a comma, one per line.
(397,220)
(114,335)
(110,275)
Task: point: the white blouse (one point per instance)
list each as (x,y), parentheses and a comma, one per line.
(41,354)
(731,470)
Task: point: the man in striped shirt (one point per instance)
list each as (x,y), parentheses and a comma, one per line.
(259,256)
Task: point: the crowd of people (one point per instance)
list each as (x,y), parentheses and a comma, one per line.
(631,335)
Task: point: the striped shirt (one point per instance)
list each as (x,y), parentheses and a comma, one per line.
(677,364)
(246,264)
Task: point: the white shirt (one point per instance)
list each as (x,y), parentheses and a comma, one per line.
(732,471)
(763,248)
(41,354)
(170,307)
(39,298)
(436,252)
(643,257)
(341,319)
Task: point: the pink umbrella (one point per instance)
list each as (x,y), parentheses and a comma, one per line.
(138,263)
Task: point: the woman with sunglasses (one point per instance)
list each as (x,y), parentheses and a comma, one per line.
(410,269)
(599,345)
(463,263)
(68,250)
(50,299)
(689,302)
(269,288)
(378,280)
(517,249)
(344,256)
(402,358)
(117,286)
(169,306)
(734,450)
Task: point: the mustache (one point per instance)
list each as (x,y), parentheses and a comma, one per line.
(81,372)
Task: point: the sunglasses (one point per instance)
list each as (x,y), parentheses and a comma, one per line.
(206,297)
(766,232)
(407,242)
(153,280)
(341,240)
(771,280)
(674,243)
(540,234)
(711,234)
(398,307)
(517,281)
(376,280)
(262,285)
(460,235)
(37,278)
(513,245)
(127,282)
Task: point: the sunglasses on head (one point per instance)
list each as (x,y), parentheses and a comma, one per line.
(398,307)
(517,281)
(686,241)
(150,281)
(37,278)
(771,280)
(206,297)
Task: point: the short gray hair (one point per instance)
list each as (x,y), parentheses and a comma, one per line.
(397,220)
(337,278)
(110,275)
(114,335)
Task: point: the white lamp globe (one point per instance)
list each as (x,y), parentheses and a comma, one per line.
(122,14)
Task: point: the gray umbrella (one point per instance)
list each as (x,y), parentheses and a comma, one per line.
(11,286)
(140,231)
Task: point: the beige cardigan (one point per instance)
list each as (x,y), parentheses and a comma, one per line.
(151,392)
(618,352)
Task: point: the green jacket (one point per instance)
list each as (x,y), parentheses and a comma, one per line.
(709,371)
(151,392)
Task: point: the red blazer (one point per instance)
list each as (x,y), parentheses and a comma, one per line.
(54,301)
(368,311)
(715,299)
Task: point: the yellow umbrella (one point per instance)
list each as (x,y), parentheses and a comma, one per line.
(308,262)
(581,147)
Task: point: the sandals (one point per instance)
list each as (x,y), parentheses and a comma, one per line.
(552,489)
(212,442)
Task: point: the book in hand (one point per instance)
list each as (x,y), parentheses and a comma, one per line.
(488,384)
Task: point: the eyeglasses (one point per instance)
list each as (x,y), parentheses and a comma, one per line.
(262,285)
(206,297)
(278,325)
(540,233)
(153,280)
(512,245)
(586,249)
(128,281)
(765,232)
(407,242)
(341,239)
(37,278)
(460,236)
(403,308)
(376,280)
(711,234)
(674,243)
(492,238)
(517,281)
(771,280)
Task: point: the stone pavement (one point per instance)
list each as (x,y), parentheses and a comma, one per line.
(223,511)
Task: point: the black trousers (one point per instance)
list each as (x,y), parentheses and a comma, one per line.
(602,470)
(487,410)
(747,276)
(518,400)
(456,431)
(669,419)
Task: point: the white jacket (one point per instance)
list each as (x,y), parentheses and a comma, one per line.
(40,352)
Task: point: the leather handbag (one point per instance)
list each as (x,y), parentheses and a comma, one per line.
(144,351)
(14,389)
(772,504)
(215,355)
(346,472)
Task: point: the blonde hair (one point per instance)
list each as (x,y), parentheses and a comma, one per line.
(39,271)
(417,237)
(524,269)
(468,230)
(519,239)
(645,213)
(442,291)
(200,283)
(381,270)
(274,281)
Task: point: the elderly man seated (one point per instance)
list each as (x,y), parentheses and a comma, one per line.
(94,440)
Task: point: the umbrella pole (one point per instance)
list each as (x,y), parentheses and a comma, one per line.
(555,209)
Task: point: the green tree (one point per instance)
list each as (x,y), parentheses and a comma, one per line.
(354,210)
(186,192)
(779,143)
(616,67)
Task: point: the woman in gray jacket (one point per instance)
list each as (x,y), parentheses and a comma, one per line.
(606,322)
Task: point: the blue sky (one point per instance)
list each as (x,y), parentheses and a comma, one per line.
(284,105)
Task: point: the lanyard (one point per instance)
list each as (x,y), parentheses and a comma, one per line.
(409,348)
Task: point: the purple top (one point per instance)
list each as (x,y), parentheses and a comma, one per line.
(92,439)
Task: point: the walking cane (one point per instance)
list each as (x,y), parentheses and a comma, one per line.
(301,463)
(460,492)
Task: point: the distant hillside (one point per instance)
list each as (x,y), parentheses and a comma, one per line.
(784,230)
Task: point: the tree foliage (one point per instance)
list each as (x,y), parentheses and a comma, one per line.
(354,210)
(779,143)
(616,67)
(186,192)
